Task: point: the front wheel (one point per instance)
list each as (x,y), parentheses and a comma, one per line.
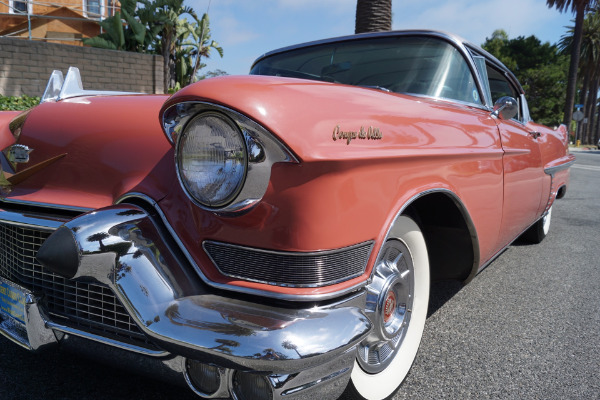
(397,300)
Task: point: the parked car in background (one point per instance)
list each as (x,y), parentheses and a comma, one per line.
(274,235)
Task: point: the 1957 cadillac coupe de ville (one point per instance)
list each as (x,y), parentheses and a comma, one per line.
(274,235)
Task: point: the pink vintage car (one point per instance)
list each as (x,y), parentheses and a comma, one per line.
(270,236)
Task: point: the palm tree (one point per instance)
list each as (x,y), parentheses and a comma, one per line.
(203,44)
(373,16)
(589,66)
(579,7)
(165,15)
(193,43)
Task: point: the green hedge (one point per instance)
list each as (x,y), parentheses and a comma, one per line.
(18,103)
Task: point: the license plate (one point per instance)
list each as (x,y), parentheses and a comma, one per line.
(12,301)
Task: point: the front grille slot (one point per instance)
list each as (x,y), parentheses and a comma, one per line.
(292,269)
(88,307)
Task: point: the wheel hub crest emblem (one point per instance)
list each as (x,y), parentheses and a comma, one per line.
(389,306)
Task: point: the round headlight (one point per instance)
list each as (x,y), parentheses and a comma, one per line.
(212,159)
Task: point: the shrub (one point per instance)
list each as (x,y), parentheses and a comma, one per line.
(8,103)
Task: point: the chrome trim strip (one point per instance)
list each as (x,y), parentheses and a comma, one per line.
(107,341)
(314,383)
(47,224)
(553,170)
(238,289)
(44,205)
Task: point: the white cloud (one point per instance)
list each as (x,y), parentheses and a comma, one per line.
(232,32)
(306,5)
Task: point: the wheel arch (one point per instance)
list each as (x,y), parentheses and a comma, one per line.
(450,236)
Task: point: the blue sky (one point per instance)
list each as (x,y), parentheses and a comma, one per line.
(248,28)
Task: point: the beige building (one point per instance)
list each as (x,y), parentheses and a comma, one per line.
(58,21)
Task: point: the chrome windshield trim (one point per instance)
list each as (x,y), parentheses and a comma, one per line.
(448,36)
(103,340)
(232,288)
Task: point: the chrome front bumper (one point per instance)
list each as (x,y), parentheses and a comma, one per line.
(299,350)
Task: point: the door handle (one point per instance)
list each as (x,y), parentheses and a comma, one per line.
(535,134)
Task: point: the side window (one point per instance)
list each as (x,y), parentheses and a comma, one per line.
(500,87)
(93,8)
(19,7)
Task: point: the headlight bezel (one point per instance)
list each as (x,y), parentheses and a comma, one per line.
(262,148)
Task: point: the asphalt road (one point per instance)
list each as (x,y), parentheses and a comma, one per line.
(527,327)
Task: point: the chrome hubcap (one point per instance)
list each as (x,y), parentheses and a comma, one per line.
(390,298)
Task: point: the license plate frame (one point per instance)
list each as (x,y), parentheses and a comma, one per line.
(13,301)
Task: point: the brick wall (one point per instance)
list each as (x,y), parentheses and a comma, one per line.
(25,67)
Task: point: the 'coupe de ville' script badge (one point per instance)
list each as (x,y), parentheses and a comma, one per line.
(369,133)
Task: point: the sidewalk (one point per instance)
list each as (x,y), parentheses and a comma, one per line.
(582,149)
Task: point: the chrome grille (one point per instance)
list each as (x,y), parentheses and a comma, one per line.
(83,306)
(293,269)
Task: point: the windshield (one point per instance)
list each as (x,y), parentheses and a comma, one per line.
(415,65)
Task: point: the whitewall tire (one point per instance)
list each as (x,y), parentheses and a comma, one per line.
(397,301)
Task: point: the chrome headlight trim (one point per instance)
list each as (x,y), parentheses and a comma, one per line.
(262,149)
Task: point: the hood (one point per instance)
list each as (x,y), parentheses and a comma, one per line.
(308,115)
(86,152)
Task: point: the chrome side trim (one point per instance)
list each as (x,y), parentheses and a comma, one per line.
(553,170)
(120,246)
(232,288)
(103,340)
